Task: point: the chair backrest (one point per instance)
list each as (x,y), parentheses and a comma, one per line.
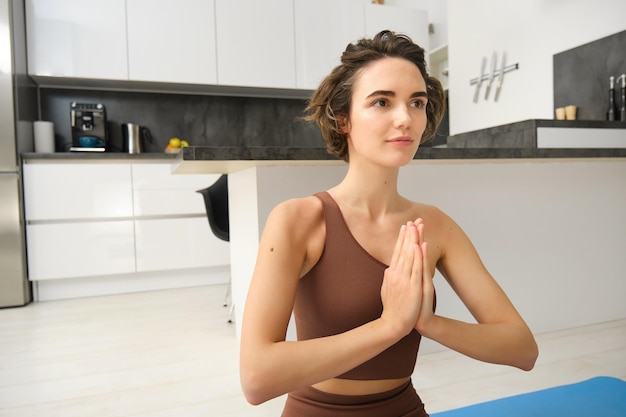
(216,204)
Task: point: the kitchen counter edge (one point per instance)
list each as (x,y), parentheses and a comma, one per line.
(196,159)
(88,157)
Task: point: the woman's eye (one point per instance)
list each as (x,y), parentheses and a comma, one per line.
(420,104)
(380,102)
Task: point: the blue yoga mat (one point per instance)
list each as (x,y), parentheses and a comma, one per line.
(597,397)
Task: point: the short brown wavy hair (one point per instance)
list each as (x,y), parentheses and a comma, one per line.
(331,102)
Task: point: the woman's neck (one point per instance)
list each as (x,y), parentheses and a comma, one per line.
(375,190)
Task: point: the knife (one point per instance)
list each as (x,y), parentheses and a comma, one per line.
(494,62)
(501,75)
(480,80)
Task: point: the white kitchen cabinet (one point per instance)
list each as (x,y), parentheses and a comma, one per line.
(172,41)
(157,192)
(68,250)
(323,29)
(77,38)
(171,227)
(409,21)
(77,191)
(255,43)
(166,244)
(113,218)
(283,44)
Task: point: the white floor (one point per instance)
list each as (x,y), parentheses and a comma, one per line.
(172,353)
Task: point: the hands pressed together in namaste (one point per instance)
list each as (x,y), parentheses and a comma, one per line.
(407,292)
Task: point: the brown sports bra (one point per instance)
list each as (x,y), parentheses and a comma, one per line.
(342,292)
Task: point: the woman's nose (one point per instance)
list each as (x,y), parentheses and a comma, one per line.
(402,118)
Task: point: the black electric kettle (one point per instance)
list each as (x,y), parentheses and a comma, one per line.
(133,136)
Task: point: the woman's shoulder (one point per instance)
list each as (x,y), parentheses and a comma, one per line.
(436,220)
(300,213)
(299,206)
(440,225)
(298,224)
(428,212)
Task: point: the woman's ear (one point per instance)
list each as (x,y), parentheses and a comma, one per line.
(344,124)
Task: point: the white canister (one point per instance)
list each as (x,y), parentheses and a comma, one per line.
(43,133)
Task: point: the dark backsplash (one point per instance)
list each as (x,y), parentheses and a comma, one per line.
(202,120)
(581,75)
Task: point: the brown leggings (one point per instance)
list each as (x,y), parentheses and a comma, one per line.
(399,402)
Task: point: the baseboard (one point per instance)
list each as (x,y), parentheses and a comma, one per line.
(59,289)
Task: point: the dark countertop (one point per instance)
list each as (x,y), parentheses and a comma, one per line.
(269,153)
(98,156)
(521,134)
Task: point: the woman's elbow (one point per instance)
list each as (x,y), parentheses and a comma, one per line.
(529,358)
(253,398)
(257,375)
(253,387)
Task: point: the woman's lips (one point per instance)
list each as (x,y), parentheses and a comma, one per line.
(401,141)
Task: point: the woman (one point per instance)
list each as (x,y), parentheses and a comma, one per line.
(355,264)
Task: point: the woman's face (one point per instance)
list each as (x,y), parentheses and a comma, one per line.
(388,112)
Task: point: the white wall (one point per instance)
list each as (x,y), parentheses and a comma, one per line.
(531,32)
(551,232)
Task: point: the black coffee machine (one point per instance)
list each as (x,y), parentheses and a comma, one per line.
(89,127)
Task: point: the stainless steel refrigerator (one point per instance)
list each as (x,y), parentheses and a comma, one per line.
(18,108)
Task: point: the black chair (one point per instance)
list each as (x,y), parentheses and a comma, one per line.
(216,204)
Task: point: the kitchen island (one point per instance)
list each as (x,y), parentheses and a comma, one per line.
(548,223)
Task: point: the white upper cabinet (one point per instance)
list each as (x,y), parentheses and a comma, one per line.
(323,30)
(77,38)
(282,44)
(411,22)
(172,41)
(255,43)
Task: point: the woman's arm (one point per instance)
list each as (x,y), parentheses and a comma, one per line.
(500,335)
(271,366)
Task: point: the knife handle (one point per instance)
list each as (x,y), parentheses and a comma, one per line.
(480,80)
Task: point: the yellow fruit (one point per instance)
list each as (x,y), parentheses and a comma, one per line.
(175,142)
(183,143)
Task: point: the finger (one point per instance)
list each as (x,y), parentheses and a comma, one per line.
(397,250)
(408,249)
(425,261)
(420,232)
(427,279)
(418,263)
